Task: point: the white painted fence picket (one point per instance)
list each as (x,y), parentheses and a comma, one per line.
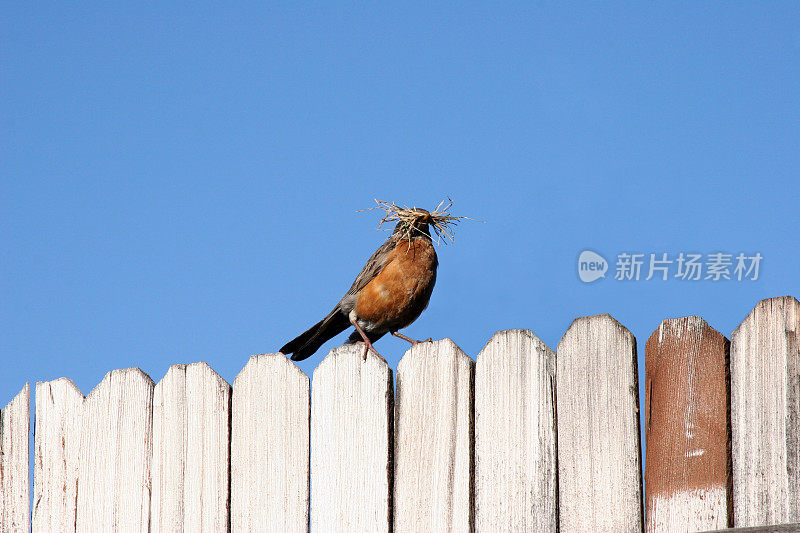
(191,450)
(351,443)
(526,440)
(515,435)
(59,405)
(116,448)
(14,480)
(270,446)
(433,439)
(765,414)
(597,397)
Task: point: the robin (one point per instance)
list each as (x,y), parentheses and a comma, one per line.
(392,289)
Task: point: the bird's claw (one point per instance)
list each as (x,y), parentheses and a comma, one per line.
(413,342)
(367,348)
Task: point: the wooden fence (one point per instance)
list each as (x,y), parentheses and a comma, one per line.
(526,439)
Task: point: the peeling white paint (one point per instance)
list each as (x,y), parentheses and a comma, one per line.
(690,510)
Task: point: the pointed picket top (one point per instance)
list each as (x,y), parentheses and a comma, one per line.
(133,376)
(198,372)
(351,442)
(200,368)
(115,453)
(59,404)
(687,428)
(344,356)
(602,319)
(59,388)
(421,354)
(515,438)
(525,337)
(597,406)
(191,449)
(785,306)
(273,362)
(270,446)
(15,480)
(433,438)
(765,417)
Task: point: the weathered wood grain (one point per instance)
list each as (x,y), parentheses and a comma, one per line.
(270,446)
(115,454)
(775,528)
(434,439)
(59,405)
(765,414)
(351,443)
(515,439)
(597,404)
(687,474)
(14,480)
(191,450)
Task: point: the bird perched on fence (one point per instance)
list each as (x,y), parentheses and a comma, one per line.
(392,289)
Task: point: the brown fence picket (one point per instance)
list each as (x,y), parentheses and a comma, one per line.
(687,429)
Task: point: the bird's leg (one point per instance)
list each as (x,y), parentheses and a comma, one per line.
(409,339)
(367,344)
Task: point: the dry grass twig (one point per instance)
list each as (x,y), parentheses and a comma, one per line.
(407,218)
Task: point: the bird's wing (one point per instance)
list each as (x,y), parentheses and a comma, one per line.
(373,267)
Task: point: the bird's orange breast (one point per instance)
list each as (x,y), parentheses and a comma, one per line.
(401,290)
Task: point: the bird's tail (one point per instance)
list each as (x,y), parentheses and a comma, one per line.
(309,342)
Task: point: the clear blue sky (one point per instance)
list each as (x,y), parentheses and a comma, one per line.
(181,182)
